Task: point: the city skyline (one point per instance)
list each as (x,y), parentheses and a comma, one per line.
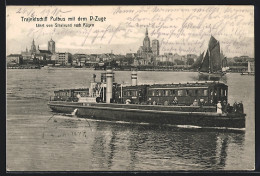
(123,32)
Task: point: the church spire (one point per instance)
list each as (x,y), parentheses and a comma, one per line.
(33,47)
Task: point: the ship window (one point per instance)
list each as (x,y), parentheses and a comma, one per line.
(189,92)
(166,92)
(153,92)
(225,92)
(125,93)
(221,92)
(180,93)
(196,92)
(160,93)
(205,92)
(163,92)
(157,93)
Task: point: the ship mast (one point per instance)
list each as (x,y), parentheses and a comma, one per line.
(209,62)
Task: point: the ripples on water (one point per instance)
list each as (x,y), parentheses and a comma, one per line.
(37,141)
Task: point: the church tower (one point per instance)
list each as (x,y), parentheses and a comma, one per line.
(146,42)
(51,46)
(33,47)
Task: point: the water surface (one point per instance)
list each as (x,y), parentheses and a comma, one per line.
(38,140)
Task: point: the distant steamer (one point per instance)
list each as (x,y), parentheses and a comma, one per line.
(201,104)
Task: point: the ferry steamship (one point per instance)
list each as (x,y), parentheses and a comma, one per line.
(202,104)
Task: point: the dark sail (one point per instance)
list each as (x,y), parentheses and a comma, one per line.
(197,63)
(212,60)
(205,63)
(215,59)
(224,62)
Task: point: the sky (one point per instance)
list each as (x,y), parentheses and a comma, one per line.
(121,29)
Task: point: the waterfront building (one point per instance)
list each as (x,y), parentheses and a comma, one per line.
(161,58)
(135,63)
(146,43)
(33,47)
(26,55)
(14,59)
(37,53)
(51,46)
(63,58)
(79,59)
(130,55)
(251,66)
(155,47)
(43,54)
(145,51)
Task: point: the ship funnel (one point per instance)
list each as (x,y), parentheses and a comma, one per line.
(134,78)
(109,84)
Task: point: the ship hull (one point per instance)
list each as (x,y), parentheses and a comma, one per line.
(152,115)
(213,74)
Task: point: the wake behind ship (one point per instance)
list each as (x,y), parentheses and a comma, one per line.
(202,104)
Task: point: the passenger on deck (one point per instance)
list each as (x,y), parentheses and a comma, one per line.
(240,107)
(235,107)
(229,108)
(219,107)
(201,102)
(175,101)
(195,103)
(128,101)
(224,106)
(166,103)
(154,102)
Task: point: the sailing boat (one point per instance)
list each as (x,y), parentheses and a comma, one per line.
(210,61)
(250,69)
